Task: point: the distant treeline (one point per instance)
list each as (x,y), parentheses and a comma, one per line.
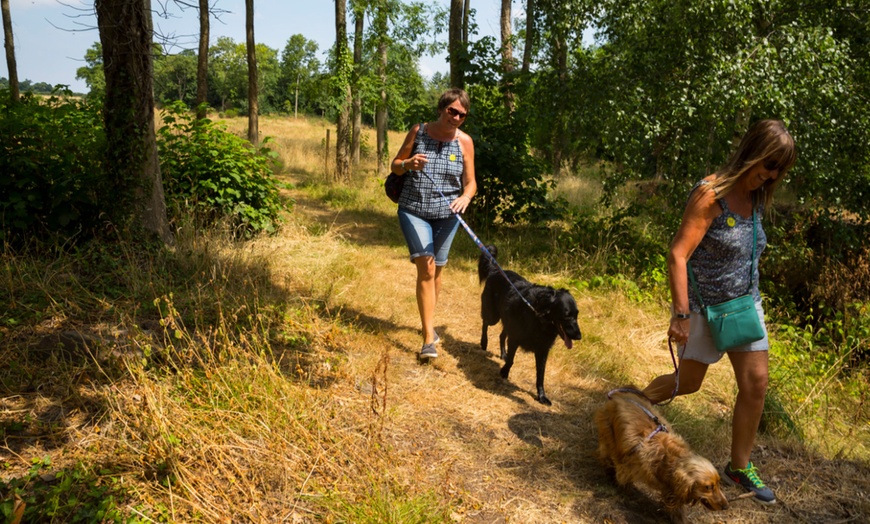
(28,86)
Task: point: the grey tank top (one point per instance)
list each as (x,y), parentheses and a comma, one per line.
(721,261)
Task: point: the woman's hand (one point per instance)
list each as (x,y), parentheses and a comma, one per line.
(460,204)
(679,330)
(416,162)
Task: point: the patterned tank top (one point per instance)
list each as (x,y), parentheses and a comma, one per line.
(445,166)
(721,261)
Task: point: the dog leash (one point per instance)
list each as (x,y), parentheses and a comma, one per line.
(479,243)
(676,373)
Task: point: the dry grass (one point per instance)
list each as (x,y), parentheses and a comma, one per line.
(282,385)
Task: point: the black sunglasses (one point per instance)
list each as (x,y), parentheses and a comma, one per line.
(455,112)
(771,165)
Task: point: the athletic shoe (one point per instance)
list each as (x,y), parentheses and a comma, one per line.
(748,479)
(428,351)
(437,338)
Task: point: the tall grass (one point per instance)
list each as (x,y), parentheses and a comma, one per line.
(221,381)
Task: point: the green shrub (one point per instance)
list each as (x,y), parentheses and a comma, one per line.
(216,174)
(51,154)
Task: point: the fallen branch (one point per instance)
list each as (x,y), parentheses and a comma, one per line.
(746,495)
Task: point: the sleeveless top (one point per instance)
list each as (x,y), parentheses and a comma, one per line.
(445,165)
(721,261)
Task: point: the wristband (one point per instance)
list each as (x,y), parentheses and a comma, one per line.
(403,165)
(682,316)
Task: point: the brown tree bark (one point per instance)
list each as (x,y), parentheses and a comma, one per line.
(507,56)
(10,51)
(132,163)
(356,107)
(381,112)
(560,137)
(456,45)
(253,91)
(202,60)
(531,35)
(342,138)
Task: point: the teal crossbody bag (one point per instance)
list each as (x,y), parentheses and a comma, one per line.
(734,322)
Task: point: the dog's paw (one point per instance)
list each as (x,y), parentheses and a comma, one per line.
(544,400)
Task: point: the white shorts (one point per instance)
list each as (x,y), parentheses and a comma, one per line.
(700,346)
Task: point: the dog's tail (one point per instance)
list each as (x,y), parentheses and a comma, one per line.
(485,265)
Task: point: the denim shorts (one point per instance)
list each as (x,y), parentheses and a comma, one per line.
(700,346)
(428,237)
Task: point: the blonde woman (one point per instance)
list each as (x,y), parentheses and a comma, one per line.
(716,236)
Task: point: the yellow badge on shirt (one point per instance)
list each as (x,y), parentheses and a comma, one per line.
(731,222)
(453,158)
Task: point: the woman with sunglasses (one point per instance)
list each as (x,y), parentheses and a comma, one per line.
(437,159)
(716,236)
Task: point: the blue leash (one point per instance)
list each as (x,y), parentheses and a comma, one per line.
(479,243)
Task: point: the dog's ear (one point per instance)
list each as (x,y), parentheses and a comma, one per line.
(548,301)
(683,485)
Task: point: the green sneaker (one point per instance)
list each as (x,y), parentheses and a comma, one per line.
(748,480)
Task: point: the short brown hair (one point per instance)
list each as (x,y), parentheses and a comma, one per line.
(452,95)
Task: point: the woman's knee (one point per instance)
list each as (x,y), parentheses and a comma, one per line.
(691,376)
(687,387)
(755,385)
(426,269)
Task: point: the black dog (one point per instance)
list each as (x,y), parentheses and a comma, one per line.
(555,313)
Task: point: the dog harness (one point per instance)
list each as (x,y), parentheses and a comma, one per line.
(659,426)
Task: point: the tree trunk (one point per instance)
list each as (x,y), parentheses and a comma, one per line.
(342,138)
(456,46)
(381,111)
(531,35)
(507,56)
(253,103)
(560,49)
(10,51)
(466,13)
(132,163)
(202,61)
(359,19)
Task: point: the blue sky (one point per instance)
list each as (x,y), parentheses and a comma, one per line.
(51,37)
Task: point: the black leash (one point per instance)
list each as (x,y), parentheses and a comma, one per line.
(479,243)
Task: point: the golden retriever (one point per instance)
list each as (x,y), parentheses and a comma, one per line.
(635,441)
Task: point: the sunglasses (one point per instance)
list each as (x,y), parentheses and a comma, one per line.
(455,112)
(772,165)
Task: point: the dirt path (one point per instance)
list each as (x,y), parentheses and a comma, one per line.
(456,428)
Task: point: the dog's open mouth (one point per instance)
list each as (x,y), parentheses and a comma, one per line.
(565,338)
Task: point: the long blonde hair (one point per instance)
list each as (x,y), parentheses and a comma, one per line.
(764,140)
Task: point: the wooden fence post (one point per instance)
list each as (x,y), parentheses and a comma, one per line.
(326,157)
